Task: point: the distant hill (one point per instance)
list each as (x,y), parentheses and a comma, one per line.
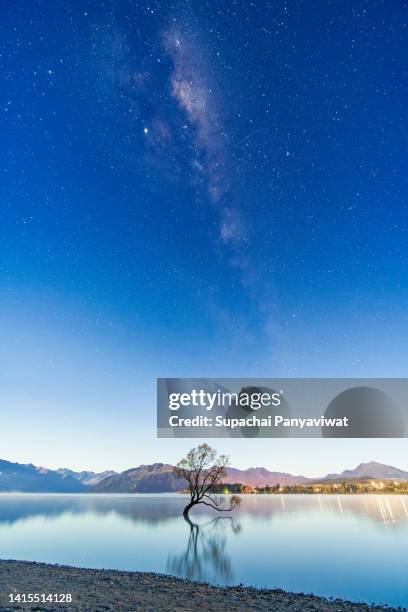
(27,478)
(261,477)
(371,470)
(159,478)
(86,477)
(156,478)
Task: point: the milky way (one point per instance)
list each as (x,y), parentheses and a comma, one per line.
(249,156)
(196,96)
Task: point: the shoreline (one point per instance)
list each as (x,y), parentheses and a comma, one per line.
(101,589)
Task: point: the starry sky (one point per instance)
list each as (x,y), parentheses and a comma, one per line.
(196,189)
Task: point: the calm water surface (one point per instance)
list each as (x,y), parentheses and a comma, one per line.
(348,546)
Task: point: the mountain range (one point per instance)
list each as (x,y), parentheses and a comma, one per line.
(371,470)
(156,478)
(261,477)
(159,478)
(28,478)
(86,477)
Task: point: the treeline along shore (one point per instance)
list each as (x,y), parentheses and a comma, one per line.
(362,486)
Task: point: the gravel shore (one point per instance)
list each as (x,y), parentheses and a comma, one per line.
(94,590)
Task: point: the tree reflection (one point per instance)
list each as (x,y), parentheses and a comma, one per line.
(206,557)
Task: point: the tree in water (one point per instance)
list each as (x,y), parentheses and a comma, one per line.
(203,468)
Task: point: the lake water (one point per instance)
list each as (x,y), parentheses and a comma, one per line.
(353,547)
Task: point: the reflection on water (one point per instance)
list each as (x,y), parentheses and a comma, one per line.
(155,509)
(340,545)
(205,557)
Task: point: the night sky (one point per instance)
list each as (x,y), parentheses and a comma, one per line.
(196,189)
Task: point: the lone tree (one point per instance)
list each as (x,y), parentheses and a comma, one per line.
(203,469)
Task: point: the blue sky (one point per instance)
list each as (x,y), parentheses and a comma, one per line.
(196,189)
